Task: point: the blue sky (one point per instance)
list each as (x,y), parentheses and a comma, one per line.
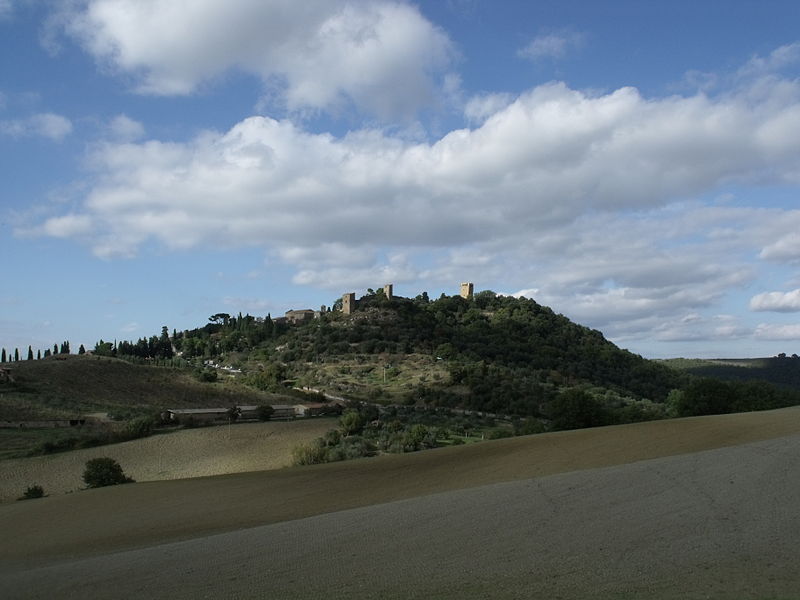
(634,165)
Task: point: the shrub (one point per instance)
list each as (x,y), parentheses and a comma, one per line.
(310,454)
(264,412)
(101,472)
(34,491)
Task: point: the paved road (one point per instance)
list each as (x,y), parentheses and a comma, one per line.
(719,524)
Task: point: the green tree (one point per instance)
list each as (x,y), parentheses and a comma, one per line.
(264,412)
(30,353)
(3,356)
(16,354)
(351,422)
(101,472)
(38,355)
(575,409)
(81,350)
(33,491)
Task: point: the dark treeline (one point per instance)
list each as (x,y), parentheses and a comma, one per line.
(57,349)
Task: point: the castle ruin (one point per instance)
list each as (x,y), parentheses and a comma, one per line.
(467,290)
(348,303)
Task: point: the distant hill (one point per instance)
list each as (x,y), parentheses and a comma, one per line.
(781,370)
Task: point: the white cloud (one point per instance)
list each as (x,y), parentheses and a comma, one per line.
(776,301)
(552,45)
(48,125)
(479,108)
(545,159)
(766,331)
(785,249)
(382,56)
(68,226)
(125,129)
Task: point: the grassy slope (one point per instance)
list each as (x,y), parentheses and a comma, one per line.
(64,387)
(110,519)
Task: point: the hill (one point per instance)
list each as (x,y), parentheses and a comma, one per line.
(779,370)
(491,353)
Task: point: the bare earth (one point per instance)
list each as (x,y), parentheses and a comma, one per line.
(179,455)
(692,508)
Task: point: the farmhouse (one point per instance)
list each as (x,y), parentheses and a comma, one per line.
(197,414)
(310,409)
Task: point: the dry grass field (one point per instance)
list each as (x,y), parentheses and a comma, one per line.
(703,507)
(177,455)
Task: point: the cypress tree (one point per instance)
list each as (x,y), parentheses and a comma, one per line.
(3,356)
(38,355)
(81,350)
(16,354)
(30,353)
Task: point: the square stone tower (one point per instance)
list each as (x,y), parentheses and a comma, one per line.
(348,303)
(466,290)
(387,291)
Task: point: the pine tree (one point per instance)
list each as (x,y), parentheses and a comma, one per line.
(30,353)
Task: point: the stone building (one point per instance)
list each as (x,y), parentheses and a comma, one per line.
(349,303)
(467,290)
(388,289)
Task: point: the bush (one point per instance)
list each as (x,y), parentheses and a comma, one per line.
(101,472)
(264,412)
(311,454)
(34,491)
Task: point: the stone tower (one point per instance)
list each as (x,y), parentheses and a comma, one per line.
(387,291)
(466,290)
(348,303)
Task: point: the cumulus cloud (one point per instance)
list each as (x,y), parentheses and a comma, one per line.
(769,331)
(125,129)
(480,107)
(552,45)
(776,301)
(48,125)
(543,160)
(785,249)
(383,56)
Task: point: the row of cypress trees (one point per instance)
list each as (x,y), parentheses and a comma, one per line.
(16,357)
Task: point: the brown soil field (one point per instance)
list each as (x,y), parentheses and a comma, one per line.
(177,455)
(145,513)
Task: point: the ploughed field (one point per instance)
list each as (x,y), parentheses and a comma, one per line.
(704,507)
(177,455)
